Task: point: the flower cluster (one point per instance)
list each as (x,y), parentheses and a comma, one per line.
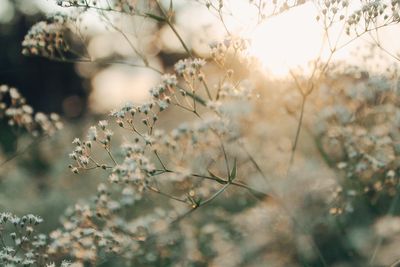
(20,245)
(46,38)
(373,14)
(69,3)
(173,164)
(18,113)
(127,6)
(232,45)
(332,11)
(264,8)
(92,228)
(239,90)
(162,91)
(82,154)
(95,229)
(84,234)
(189,68)
(135,170)
(361,136)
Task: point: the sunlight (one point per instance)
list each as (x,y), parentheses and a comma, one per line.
(288,41)
(124,83)
(294,39)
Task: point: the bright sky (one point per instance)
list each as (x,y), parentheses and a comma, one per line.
(289,40)
(293,39)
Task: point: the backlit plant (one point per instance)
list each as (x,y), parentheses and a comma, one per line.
(185,176)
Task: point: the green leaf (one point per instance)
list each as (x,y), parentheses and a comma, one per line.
(155,17)
(233,174)
(197,98)
(216,178)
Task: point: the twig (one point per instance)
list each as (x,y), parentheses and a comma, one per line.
(21,151)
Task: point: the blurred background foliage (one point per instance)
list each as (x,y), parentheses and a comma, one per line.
(39,176)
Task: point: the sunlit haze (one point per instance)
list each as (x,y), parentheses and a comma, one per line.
(289,40)
(295,38)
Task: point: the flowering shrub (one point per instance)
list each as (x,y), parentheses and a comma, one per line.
(18,114)
(22,241)
(361,138)
(20,245)
(201,174)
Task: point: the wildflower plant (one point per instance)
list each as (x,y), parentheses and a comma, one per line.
(19,115)
(47,39)
(156,173)
(140,168)
(21,245)
(360,137)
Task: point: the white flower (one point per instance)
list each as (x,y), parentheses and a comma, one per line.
(169,79)
(103,124)
(92,133)
(14,94)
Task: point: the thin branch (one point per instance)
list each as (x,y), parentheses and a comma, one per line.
(298,130)
(201,204)
(395,264)
(167,19)
(155,190)
(220,181)
(22,151)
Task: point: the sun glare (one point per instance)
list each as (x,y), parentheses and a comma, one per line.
(287,41)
